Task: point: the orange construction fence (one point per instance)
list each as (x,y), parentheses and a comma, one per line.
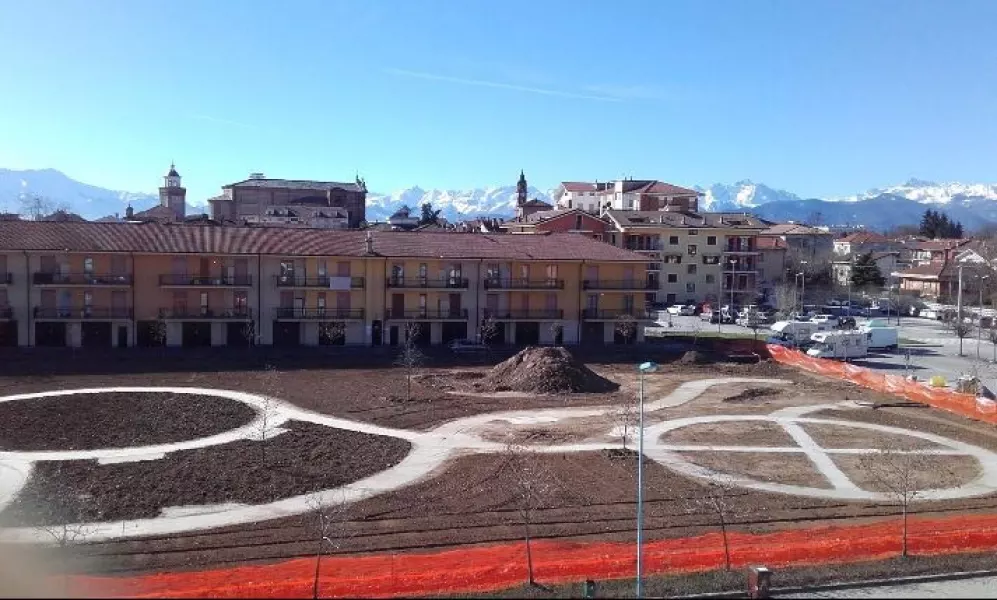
(967,405)
(489,568)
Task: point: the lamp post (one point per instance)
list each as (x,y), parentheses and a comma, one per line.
(979,315)
(959,310)
(733,261)
(645,367)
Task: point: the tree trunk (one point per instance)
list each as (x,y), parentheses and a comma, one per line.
(903,546)
(408,385)
(723,532)
(529,552)
(318,568)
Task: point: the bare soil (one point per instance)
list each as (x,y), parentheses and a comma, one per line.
(927,472)
(309,457)
(733,433)
(115,420)
(842,436)
(792,469)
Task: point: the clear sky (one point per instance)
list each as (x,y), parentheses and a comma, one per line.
(820,98)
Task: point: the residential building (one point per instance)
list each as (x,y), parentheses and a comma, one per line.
(573,220)
(842,267)
(803,244)
(693,257)
(626,194)
(287,202)
(773,262)
(143,283)
(862,242)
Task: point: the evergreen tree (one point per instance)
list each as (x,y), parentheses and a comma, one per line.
(865,272)
(429,216)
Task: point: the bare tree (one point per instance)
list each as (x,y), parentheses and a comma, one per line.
(35,207)
(624,417)
(410,357)
(992,336)
(531,487)
(65,519)
(267,411)
(960,329)
(895,469)
(488,330)
(754,323)
(557,333)
(626,328)
(717,499)
(329,516)
(249,333)
(786,297)
(333,332)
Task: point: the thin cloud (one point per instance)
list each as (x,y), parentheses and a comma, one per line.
(631,92)
(221,121)
(501,85)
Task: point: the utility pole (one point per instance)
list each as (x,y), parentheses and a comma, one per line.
(958,310)
(979,316)
(732,286)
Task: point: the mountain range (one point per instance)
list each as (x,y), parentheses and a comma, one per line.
(975,205)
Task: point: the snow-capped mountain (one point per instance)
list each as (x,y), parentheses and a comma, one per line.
(975,205)
(741,195)
(89,201)
(453,204)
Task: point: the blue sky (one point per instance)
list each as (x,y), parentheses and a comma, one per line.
(820,98)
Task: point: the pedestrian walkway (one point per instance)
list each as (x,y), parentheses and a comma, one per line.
(981,587)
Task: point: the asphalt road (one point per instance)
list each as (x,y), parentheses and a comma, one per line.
(982,587)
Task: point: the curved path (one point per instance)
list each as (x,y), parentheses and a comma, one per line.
(430,451)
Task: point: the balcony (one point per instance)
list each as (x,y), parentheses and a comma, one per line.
(594,314)
(82,279)
(644,247)
(519,283)
(549,314)
(422,283)
(741,249)
(46,313)
(318,314)
(321,281)
(6,313)
(6,278)
(617,285)
(426,315)
(174,280)
(183,313)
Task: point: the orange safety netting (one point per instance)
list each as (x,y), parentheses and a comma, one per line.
(966,405)
(481,569)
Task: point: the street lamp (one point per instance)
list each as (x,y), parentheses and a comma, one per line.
(645,367)
(803,292)
(979,316)
(733,261)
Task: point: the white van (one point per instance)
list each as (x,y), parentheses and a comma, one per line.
(796,332)
(880,335)
(839,344)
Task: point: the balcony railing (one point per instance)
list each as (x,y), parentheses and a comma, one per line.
(519,283)
(321,281)
(644,247)
(740,250)
(321,314)
(457,283)
(428,315)
(6,278)
(595,314)
(82,312)
(6,313)
(617,284)
(42,278)
(205,313)
(525,314)
(205,281)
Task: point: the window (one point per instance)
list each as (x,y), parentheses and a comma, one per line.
(240,302)
(592,302)
(673,278)
(693,232)
(761,273)
(690,270)
(692,249)
(204,303)
(628,304)
(88,265)
(320,301)
(423,270)
(673,259)
(578,222)
(711,260)
(711,279)
(690,287)
(397,273)
(711,240)
(673,240)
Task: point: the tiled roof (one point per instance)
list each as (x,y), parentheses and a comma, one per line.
(536,202)
(939,244)
(578,186)
(659,219)
(770,243)
(793,229)
(207,239)
(923,271)
(642,186)
(865,237)
(297,184)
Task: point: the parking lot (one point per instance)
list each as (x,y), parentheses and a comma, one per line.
(936,351)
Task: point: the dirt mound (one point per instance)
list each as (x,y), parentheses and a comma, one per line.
(696,357)
(750,394)
(545,370)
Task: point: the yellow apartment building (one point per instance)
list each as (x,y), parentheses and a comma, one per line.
(147,284)
(693,257)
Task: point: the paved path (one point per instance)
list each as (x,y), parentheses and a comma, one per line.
(982,587)
(432,449)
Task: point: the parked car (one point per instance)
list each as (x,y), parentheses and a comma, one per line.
(839,344)
(688,310)
(674,309)
(846,322)
(468,346)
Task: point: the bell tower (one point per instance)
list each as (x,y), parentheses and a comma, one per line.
(521,189)
(173,195)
